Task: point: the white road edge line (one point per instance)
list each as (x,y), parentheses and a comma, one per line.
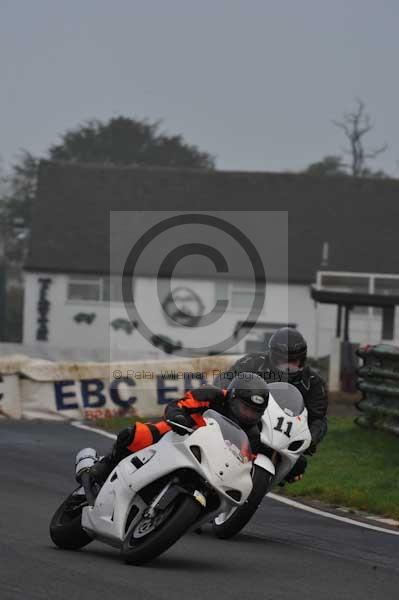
(80,425)
(281,499)
(323,513)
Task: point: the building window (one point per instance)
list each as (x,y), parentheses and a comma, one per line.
(389,286)
(239,297)
(346,283)
(91,288)
(243,299)
(85,287)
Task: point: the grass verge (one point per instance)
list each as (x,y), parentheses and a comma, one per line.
(353,467)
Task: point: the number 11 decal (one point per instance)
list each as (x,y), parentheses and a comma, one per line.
(279,426)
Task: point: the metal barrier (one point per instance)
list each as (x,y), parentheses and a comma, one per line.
(379,383)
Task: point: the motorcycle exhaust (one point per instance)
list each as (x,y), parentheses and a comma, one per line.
(85,459)
(86,482)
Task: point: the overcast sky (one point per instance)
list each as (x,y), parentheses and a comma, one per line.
(254,82)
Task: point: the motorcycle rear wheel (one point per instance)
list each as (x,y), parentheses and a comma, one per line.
(138,551)
(66,525)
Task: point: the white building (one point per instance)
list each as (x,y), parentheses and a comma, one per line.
(78,249)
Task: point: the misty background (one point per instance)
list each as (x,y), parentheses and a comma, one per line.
(256,84)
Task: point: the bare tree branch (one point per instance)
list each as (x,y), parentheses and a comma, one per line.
(355,125)
(376,152)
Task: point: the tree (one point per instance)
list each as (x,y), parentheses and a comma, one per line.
(331,165)
(22,186)
(15,204)
(127,141)
(355,126)
(119,141)
(15,196)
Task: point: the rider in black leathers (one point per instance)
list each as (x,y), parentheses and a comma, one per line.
(285,361)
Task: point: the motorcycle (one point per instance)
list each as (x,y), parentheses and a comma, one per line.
(285,431)
(156,495)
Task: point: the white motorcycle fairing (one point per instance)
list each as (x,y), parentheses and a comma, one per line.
(285,430)
(287,434)
(222,466)
(265,463)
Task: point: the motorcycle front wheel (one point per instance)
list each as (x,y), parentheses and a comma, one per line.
(66,525)
(140,547)
(226,529)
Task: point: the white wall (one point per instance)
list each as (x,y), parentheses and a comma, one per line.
(148,305)
(283,304)
(64,332)
(293,305)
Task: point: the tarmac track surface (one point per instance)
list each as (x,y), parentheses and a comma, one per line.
(284,553)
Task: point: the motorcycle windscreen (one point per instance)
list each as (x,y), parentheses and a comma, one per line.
(288,397)
(231,432)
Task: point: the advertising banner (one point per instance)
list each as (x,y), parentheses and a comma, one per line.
(69,391)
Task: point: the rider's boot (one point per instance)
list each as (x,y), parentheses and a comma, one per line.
(102,468)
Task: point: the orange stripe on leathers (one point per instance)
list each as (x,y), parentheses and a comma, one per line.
(142,438)
(163,427)
(198,420)
(190,402)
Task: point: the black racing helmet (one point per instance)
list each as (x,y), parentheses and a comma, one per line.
(286,347)
(248,397)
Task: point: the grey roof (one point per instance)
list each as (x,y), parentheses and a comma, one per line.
(359,218)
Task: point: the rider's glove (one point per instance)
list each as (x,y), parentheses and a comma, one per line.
(180,420)
(311,450)
(297,470)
